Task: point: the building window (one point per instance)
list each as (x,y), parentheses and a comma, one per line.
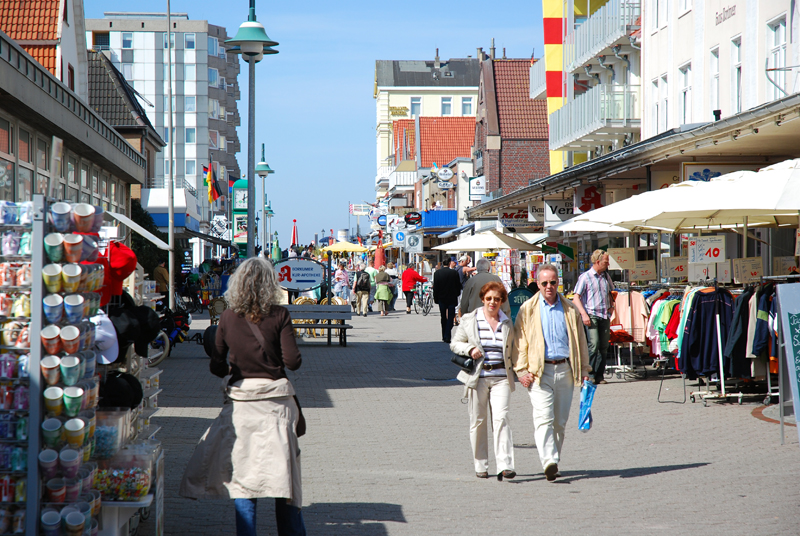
(685,5)
(72,166)
(736,75)
(84,176)
(191,167)
(127,40)
(42,155)
(213,46)
(166,133)
(191,135)
(714,86)
(777,58)
(166,168)
(190,104)
(447,105)
(25,149)
(70,77)
(166,71)
(416,106)
(664,89)
(685,102)
(95,182)
(466,106)
(213,77)
(213,108)
(213,139)
(127,71)
(114,191)
(166,104)
(171,39)
(101,41)
(24,184)
(6,135)
(190,72)
(188,41)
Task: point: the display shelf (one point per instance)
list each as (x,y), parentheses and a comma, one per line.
(14,441)
(148,432)
(150,393)
(114,515)
(16,258)
(147,413)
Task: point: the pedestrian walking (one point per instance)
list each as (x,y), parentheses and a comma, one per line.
(161,276)
(251,450)
(551,358)
(593,300)
(341,287)
(470,296)
(446,288)
(392,271)
(383,295)
(370,269)
(409,280)
(487,336)
(361,288)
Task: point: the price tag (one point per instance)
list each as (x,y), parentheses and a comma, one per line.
(698,272)
(621,258)
(724,272)
(676,267)
(783,265)
(748,270)
(797,243)
(707,249)
(643,271)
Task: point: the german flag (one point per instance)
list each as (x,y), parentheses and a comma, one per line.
(214,192)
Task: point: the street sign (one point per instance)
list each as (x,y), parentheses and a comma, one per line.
(300,274)
(445,174)
(399,238)
(445,185)
(707,249)
(413,243)
(413,218)
(382,220)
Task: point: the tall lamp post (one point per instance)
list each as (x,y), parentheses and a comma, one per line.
(263,170)
(269,213)
(252,42)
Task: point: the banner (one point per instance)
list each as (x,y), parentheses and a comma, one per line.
(556,211)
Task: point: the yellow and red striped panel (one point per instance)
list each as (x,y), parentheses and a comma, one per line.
(553,23)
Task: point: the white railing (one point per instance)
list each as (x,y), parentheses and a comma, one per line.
(180,184)
(402,178)
(382,177)
(604,27)
(538,80)
(603,106)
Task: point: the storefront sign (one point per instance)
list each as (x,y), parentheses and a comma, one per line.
(711,170)
(789,305)
(398,111)
(413,243)
(382,220)
(621,258)
(535,212)
(413,218)
(701,272)
(445,174)
(707,249)
(748,270)
(443,185)
(664,179)
(300,274)
(644,271)
(587,198)
(784,265)
(477,188)
(676,267)
(516,298)
(556,211)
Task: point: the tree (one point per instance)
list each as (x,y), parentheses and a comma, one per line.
(147,253)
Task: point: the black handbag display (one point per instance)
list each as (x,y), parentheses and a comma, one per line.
(467,364)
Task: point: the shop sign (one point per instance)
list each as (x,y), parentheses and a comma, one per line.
(748,270)
(398,111)
(588,197)
(399,238)
(413,243)
(705,172)
(701,272)
(382,220)
(724,272)
(445,174)
(784,265)
(413,218)
(513,217)
(643,271)
(797,243)
(676,267)
(789,306)
(536,211)
(664,179)
(557,211)
(300,274)
(706,249)
(516,298)
(621,258)
(445,185)
(477,188)
(240,228)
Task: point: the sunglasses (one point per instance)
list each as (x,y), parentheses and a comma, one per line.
(492,299)
(545,283)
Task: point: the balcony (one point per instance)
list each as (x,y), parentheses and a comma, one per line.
(439,219)
(402,180)
(606,113)
(608,26)
(538,80)
(382,177)
(180,184)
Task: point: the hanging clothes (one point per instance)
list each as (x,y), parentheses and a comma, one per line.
(672,327)
(622,314)
(700,348)
(736,362)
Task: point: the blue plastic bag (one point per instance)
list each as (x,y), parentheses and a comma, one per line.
(587,396)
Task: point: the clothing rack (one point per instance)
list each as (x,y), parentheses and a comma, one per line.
(627,372)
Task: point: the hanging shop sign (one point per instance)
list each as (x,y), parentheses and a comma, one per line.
(784,265)
(789,305)
(445,174)
(399,238)
(300,274)
(724,272)
(701,272)
(536,212)
(676,267)
(516,298)
(708,171)
(477,188)
(748,270)
(557,211)
(413,218)
(443,185)
(413,243)
(621,258)
(382,220)
(707,249)
(588,197)
(643,271)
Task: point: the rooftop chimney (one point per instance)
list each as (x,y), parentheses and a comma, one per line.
(436,63)
(491,49)
(504,52)
(480,53)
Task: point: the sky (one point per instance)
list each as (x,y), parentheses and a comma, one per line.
(315,109)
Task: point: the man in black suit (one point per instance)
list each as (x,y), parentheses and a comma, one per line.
(446,289)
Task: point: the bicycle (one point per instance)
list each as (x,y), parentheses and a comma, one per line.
(423,299)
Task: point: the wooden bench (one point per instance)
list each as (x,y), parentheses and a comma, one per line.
(322,317)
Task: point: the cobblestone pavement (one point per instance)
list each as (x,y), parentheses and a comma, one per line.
(387,452)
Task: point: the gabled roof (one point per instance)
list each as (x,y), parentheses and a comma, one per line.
(443,139)
(113,98)
(44,54)
(452,73)
(30,20)
(520,117)
(404,136)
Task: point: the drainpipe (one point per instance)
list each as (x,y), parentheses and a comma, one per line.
(632,39)
(590,74)
(601,60)
(624,58)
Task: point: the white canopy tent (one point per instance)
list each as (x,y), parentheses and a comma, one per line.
(490,240)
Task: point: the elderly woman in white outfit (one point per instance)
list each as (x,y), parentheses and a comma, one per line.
(487,335)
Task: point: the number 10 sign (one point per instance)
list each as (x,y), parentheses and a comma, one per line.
(707,249)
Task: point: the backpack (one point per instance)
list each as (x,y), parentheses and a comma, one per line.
(363,281)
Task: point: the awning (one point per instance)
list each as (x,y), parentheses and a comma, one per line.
(160,244)
(458,230)
(209,238)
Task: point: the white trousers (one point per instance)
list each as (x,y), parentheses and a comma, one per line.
(551,400)
(491,394)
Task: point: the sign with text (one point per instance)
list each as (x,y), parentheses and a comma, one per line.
(445,174)
(783,265)
(588,197)
(518,219)
(701,272)
(300,274)
(477,188)
(444,185)
(797,243)
(748,270)
(536,212)
(621,258)
(399,238)
(556,211)
(676,267)
(413,243)
(706,249)
(788,297)
(644,271)
(516,298)
(724,272)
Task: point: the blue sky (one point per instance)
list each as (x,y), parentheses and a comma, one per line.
(314,109)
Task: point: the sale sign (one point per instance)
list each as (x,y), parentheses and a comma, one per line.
(621,258)
(724,272)
(701,272)
(783,265)
(706,249)
(676,267)
(644,271)
(748,270)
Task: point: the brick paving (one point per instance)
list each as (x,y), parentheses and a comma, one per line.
(387,452)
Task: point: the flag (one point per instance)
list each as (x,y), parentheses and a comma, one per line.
(214,192)
(231,180)
(351,208)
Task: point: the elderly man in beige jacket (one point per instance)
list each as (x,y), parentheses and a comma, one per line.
(552,359)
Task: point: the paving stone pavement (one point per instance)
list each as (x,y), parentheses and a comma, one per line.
(387,452)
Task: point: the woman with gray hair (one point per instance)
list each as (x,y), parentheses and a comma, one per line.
(251,450)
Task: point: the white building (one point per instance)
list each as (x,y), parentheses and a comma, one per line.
(205,94)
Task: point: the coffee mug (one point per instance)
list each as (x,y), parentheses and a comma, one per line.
(73,400)
(73,247)
(74,307)
(60,216)
(71,275)
(83,216)
(53,305)
(70,339)
(50,366)
(54,400)
(54,246)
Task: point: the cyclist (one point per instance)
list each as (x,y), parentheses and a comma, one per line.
(410,278)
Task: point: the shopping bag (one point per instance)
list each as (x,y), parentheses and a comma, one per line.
(587,396)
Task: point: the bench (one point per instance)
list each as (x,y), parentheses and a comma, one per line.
(322,317)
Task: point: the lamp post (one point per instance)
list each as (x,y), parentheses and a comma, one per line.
(252,42)
(268,213)
(263,170)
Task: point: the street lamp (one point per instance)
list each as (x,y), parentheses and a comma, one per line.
(263,170)
(252,42)
(268,214)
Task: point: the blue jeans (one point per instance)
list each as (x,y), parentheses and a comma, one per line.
(289,518)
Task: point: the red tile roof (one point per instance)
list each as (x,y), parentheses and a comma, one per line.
(25,20)
(519,116)
(443,139)
(44,54)
(397,135)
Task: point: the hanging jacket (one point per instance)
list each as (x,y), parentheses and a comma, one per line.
(762,337)
(700,349)
(736,363)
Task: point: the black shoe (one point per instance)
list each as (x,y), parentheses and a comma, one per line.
(484,474)
(550,472)
(509,474)
(408,312)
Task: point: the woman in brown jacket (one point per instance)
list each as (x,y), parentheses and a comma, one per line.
(251,449)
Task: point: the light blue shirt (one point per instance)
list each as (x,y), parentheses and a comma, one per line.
(554,326)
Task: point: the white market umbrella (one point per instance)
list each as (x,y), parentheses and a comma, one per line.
(491,240)
(574,226)
(342,247)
